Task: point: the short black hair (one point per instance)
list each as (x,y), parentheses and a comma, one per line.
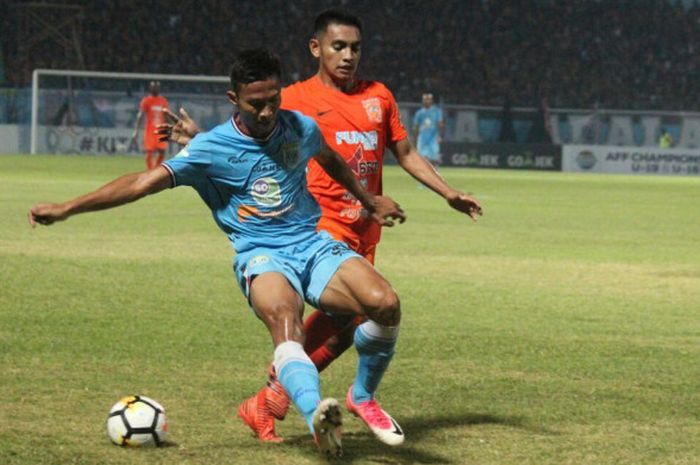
(254,65)
(335,16)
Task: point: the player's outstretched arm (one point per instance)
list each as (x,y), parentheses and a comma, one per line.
(125,189)
(382,208)
(180,129)
(418,167)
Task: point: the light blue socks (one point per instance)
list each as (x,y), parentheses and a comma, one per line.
(299,376)
(375,345)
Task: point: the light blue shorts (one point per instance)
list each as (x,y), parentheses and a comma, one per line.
(308,265)
(431,150)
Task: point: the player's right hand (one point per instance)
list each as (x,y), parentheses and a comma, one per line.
(386,210)
(177,129)
(465,204)
(46,214)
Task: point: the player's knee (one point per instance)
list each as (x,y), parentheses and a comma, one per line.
(283,320)
(385,308)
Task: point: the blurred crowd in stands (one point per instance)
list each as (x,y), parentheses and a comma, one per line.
(636,54)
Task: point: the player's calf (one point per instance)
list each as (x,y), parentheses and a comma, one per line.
(328,337)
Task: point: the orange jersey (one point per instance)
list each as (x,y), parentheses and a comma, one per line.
(152,107)
(358,126)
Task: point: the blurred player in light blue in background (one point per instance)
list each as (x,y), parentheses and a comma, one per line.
(428,129)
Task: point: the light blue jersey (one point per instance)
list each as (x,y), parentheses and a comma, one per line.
(256,189)
(428,122)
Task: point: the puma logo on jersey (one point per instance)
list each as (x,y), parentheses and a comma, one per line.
(368,140)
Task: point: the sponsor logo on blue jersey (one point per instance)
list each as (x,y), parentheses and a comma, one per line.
(258,260)
(266,191)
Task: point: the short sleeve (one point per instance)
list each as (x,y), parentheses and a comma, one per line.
(439,115)
(397,131)
(416,117)
(311,135)
(190,165)
(143,106)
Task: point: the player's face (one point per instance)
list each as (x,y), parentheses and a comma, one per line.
(258,104)
(338,50)
(427,100)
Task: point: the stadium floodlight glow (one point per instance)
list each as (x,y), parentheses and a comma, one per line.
(38,74)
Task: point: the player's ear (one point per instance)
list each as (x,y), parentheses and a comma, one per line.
(315,47)
(232,97)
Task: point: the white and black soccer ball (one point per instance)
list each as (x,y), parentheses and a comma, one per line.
(137,421)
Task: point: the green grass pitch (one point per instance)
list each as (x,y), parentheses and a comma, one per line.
(562,328)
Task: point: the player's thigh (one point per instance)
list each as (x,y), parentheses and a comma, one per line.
(278,305)
(358,288)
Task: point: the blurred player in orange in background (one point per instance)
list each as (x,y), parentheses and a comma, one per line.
(152,107)
(358,119)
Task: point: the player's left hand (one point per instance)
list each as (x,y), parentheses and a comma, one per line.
(46,214)
(386,211)
(465,204)
(178,129)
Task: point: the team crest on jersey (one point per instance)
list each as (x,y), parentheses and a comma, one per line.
(290,154)
(373,107)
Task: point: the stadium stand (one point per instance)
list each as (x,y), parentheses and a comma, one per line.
(2,68)
(635,54)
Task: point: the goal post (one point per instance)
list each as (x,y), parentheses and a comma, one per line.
(95,111)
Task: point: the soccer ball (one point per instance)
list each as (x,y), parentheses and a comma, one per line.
(137,421)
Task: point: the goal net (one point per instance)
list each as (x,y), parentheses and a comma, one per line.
(85,112)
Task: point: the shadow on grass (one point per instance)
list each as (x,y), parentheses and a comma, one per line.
(167,444)
(362,447)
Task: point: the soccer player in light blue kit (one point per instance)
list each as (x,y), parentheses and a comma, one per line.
(250,171)
(428,129)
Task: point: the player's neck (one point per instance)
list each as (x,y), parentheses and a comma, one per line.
(346,85)
(246,130)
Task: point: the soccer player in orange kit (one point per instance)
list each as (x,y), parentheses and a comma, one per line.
(152,107)
(358,120)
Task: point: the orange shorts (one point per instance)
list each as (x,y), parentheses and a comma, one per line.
(341,232)
(151,143)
